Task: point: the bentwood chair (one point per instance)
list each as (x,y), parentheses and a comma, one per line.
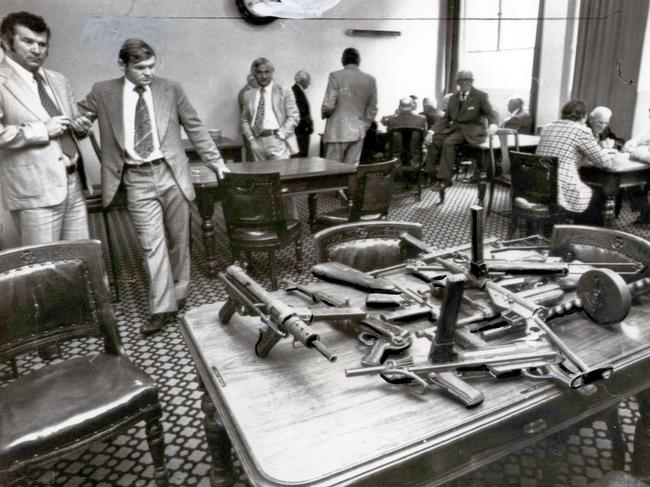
(367,245)
(500,171)
(533,192)
(49,294)
(254,214)
(370,199)
(407,145)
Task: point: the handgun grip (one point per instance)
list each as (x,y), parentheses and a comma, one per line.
(227,311)
(469,395)
(266,341)
(376,353)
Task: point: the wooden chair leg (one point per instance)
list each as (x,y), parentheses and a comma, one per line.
(615,433)
(274,272)
(111,254)
(156,441)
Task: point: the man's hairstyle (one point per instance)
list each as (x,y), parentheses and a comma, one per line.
(261,61)
(574,110)
(32,22)
(601,112)
(350,56)
(301,75)
(135,50)
(518,100)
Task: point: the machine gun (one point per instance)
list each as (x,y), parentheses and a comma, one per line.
(533,314)
(250,299)
(383,338)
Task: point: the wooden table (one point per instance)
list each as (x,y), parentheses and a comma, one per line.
(302,175)
(609,183)
(231,149)
(295,419)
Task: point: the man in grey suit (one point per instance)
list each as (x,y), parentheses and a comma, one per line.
(269,115)
(42,174)
(140,116)
(350,106)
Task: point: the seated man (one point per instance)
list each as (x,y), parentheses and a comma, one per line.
(571,141)
(463,123)
(407,146)
(405,117)
(518,119)
(432,114)
(598,122)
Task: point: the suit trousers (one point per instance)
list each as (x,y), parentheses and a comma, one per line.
(349,152)
(271,147)
(66,221)
(161,216)
(442,154)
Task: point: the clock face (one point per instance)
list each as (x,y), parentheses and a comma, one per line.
(246,12)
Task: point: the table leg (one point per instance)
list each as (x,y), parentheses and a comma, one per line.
(222,473)
(205,201)
(312,204)
(641,455)
(482,178)
(609,207)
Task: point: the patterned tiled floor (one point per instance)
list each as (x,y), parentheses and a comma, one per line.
(126,462)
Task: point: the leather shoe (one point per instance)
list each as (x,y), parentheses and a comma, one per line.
(49,353)
(440,187)
(154,325)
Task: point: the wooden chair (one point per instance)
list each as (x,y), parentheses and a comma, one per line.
(367,245)
(50,293)
(255,218)
(533,192)
(407,145)
(370,199)
(502,176)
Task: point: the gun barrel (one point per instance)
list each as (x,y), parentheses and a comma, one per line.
(323,350)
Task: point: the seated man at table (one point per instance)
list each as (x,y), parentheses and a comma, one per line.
(518,118)
(598,122)
(464,123)
(571,141)
(405,117)
(639,150)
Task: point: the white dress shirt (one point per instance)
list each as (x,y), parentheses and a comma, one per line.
(130,100)
(270,120)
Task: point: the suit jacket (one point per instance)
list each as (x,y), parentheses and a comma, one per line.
(406,120)
(306,124)
(350,104)
(521,121)
(284,108)
(469,116)
(33,166)
(173,110)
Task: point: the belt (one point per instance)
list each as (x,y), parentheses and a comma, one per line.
(142,165)
(71,169)
(268,133)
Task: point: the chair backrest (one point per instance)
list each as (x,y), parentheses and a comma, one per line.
(598,244)
(504,134)
(374,189)
(253,201)
(54,292)
(407,145)
(367,245)
(534,178)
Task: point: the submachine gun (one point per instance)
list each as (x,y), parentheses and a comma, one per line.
(248,298)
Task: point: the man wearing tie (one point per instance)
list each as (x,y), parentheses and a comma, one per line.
(269,116)
(463,123)
(42,174)
(140,116)
(306,125)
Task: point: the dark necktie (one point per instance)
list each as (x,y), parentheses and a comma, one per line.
(463,96)
(143,138)
(67,142)
(258,125)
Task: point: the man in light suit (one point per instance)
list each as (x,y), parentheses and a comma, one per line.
(42,174)
(140,117)
(269,116)
(464,123)
(305,127)
(350,106)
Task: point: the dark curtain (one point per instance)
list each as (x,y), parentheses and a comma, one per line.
(610,42)
(452,28)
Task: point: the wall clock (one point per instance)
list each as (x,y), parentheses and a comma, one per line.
(246,11)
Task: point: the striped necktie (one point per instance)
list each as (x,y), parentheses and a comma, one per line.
(67,142)
(258,125)
(143,138)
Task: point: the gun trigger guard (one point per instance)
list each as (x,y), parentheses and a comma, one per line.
(404,377)
(368,339)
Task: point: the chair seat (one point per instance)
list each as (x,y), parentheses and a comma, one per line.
(261,236)
(535,209)
(53,406)
(368,253)
(342,215)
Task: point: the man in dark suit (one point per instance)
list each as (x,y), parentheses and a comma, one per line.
(464,123)
(306,125)
(140,117)
(518,118)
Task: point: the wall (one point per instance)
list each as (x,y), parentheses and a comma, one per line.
(641,123)
(209,48)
